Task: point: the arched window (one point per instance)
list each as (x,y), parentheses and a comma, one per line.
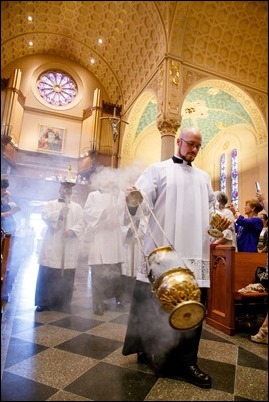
(57,87)
(234,177)
(223,173)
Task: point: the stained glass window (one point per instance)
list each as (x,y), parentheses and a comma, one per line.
(234,177)
(57,87)
(223,173)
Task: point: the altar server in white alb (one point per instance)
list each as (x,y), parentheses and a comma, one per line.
(103,219)
(181,198)
(59,252)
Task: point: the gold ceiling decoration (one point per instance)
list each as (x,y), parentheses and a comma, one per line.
(226,38)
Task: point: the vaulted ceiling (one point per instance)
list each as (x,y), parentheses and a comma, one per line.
(226,38)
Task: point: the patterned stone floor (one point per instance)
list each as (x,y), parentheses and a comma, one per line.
(53,356)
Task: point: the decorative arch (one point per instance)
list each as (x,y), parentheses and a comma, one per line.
(132,136)
(215,105)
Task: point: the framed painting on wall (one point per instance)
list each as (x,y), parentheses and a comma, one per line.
(50,139)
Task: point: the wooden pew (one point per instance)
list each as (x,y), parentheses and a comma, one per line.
(5,248)
(229,272)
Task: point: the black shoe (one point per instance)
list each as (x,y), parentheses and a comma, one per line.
(142,357)
(39,309)
(194,375)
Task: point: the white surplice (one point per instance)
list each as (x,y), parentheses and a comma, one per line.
(54,243)
(181,198)
(102,216)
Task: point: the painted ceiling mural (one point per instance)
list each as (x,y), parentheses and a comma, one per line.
(148,117)
(212,110)
(209,108)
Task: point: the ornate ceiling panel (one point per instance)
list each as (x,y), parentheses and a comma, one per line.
(132,45)
(226,38)
(229,38)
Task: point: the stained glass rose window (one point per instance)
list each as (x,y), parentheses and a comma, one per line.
(57,87)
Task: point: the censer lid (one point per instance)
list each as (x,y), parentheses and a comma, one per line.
(187,315)
(163,248)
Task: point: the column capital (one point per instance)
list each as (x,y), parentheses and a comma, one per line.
(168,126)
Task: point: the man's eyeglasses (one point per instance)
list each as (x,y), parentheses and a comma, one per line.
(192,144)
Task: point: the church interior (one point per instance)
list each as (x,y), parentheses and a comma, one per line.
(93,84)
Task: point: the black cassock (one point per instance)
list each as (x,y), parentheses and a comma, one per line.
(54,291)
(149,331)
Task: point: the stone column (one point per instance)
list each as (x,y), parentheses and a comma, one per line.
(170,98)
(96,114)
(168,130)
(11,102)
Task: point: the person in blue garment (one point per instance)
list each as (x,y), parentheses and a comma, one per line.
(248,227)
(262,335)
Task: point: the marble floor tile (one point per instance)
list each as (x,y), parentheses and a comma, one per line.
(54,356)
